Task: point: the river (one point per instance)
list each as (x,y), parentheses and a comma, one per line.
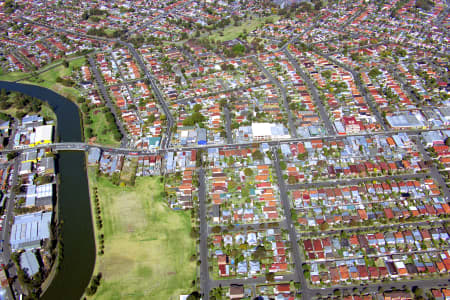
(73,199)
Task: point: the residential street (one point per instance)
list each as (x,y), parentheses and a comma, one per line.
(312,88)
(295,250)
(226,111)
(205,283)
(361,88)
(282,90)
(165,142)
(434,171)
(109,103)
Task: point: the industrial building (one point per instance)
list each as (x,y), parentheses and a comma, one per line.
(28,230)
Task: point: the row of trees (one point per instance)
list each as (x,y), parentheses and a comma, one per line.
(99,222)
(93,286)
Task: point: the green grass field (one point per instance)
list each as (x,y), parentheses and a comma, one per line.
(147,245)
(232,32)
(100,127)
(48,78)
(12,76)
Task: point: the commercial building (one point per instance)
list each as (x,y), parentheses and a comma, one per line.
(269,131)
(404,121)
(43,135)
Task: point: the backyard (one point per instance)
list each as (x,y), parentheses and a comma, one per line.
(147,246)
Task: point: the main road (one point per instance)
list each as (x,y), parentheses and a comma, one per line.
(134,151)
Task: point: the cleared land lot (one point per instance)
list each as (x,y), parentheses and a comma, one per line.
(101,128)
(147,245)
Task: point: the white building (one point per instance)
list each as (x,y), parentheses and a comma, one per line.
(43,135)
(269,131)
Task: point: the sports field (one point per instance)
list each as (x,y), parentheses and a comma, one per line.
(147,245)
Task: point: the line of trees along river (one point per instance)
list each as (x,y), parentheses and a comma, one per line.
(73,203)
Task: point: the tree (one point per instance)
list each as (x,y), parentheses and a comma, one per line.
(194,296)
(11,155)
(216,229)
(197,107)
(260,252)
(374,73)
(324,226)
(270,276)
(302,156)
(238,49)
(248,172)
(447,142)
(283,165)
(257,155)
(292,179)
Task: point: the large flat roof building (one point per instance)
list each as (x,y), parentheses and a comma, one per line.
(404,120)
(269,131)
(43,135)
(28,230)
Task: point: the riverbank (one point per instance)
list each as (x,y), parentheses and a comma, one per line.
(47,77)
(18,105)
(147,246)
(78,257)
(73,209)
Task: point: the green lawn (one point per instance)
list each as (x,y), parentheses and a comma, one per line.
(147,245)
(232,32)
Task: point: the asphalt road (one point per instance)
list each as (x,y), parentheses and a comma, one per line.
(433,170)
(295,250)
(132,151)
(378,227)
(7,225)
(360,86)
(224,91)
(138,112)
(226,112)
(355,181)
(204,271)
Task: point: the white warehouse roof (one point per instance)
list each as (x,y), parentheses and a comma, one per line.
(43,134)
